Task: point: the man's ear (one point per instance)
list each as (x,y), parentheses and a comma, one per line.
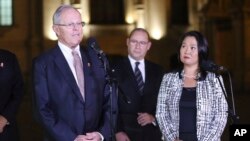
(127,41)
(149,45)
(55,29)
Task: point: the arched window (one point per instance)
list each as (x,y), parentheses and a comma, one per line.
(6,13)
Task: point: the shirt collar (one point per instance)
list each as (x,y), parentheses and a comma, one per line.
(68,49)
(132,60)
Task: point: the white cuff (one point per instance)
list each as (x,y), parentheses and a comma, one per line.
(154,123)
(102,138)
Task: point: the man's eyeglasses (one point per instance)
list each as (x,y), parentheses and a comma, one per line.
(141,43)
(72,25)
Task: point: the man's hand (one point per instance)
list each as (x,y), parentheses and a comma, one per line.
(177,139)
(3,123)
(93,136)
(145,118)
(121,136)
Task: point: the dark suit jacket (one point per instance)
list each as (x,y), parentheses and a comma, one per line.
(11,92)
(131,102)
(58,103)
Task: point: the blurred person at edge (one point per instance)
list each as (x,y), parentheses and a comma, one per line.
(11,93)
(191,105)
(67,109)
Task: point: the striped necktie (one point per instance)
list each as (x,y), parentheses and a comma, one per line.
(138,77)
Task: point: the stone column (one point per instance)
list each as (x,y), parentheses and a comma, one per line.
(156,17)
(129,11)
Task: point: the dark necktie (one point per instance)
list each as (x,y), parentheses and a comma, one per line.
(138,77)
(79,71)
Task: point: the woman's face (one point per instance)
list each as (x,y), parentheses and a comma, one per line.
(189,52)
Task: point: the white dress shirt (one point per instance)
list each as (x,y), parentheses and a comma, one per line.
(67,52)
(141,66)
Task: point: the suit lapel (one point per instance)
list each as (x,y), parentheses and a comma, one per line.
(87,72)
(63,66)
(148,75)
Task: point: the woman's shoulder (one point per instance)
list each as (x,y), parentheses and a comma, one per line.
(171,75)
(211,75)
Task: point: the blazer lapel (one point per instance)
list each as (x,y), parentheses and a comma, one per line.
(64,68)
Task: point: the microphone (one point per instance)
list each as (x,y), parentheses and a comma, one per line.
(211,66)
(91,42)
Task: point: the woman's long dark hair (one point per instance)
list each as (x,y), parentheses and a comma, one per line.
(202,51)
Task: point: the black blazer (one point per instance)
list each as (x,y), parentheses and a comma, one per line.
(11,92)
(130,102)
(58,103)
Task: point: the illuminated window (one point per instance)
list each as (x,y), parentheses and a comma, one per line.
(6,18)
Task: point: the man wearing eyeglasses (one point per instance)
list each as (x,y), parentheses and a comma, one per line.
(138,82)
(70,97)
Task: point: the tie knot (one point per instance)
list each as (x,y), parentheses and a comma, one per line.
(137,64)
(74,52)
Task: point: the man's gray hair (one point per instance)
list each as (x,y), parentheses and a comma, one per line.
(57,15)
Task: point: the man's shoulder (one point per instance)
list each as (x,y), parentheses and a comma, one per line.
(117,60)
(6,53)
(154,65)
(47,56)
(47,53)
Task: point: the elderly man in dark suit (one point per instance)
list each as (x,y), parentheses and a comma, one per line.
(70,98)
(11,92)
(138,82)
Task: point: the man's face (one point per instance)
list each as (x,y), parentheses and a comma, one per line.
(138,45)
(69,30)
